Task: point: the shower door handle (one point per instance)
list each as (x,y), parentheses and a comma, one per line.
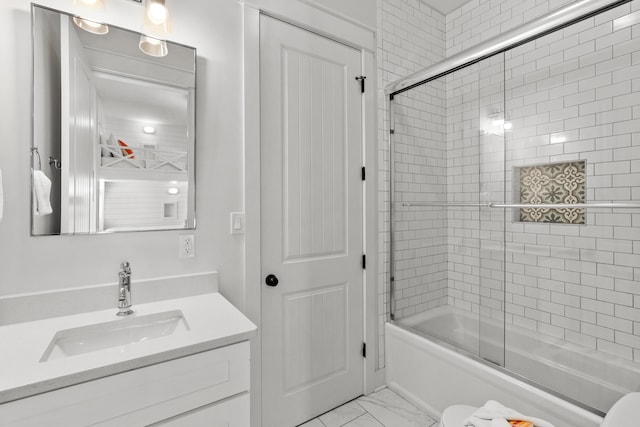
(271,280)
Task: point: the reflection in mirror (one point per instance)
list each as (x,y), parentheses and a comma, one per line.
(113,130)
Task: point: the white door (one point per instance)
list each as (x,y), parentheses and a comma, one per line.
(311,201)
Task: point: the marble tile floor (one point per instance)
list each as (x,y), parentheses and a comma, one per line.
(383,408)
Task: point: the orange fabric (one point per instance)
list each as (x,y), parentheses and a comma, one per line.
(517,423)
(127,152)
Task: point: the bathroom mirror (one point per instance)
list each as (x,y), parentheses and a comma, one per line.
(113,129)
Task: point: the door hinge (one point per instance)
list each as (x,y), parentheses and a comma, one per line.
(364,350)
(364,175)
(361,79)
(364,262)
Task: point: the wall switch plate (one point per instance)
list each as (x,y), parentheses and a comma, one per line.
(237,222)
(187,247)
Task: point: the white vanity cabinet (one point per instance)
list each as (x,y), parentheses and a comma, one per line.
(210,388)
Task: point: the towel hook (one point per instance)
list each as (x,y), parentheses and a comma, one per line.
(55,163)
(34,151)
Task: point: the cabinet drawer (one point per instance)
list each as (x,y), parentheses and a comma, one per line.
(144,395)
(233,412)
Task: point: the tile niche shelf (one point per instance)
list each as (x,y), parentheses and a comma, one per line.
(551,183)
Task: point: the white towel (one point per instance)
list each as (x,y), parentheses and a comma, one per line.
(1,197)
(41,193)
(494,414)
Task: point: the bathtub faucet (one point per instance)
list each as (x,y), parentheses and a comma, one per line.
(124,290)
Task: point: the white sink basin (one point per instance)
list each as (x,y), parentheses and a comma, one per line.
(118,333)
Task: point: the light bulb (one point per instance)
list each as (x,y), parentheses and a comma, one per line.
(157,19)
(157,12)
(507,125)
(150,130)
(90,4)
(173,191)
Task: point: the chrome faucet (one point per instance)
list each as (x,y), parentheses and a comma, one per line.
(124,286)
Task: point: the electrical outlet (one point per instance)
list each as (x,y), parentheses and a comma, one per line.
(187,245)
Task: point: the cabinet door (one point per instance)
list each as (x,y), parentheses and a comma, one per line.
(142,396)
(232,412)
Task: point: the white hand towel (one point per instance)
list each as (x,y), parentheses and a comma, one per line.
(1,197)
(41,193)
(497,414)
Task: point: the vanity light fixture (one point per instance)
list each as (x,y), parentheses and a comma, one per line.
(156,26)
(153,46)
(93,4)
(157,21)
(149,130)
(156,11)
(91,26)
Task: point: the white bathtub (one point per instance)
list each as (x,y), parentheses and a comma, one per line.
(433,376)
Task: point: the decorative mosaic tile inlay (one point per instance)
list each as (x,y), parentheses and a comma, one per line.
(553,183)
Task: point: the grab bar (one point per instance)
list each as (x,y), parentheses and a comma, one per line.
(530,206)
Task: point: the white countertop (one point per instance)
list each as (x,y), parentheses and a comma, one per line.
(212,320)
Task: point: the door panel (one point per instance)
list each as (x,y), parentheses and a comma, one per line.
(315,336)
(315,153)
(311,210)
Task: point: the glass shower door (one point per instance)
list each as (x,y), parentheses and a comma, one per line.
(447,163)
(573,274)
(494,124)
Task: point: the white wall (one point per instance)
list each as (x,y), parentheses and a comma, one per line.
(363,11)
(29,264)
(32,264)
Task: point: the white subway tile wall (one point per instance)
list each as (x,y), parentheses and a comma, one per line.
(420,150)
(475,174)
(411,36)
(569,96)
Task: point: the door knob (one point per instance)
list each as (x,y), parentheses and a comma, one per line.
(271,280)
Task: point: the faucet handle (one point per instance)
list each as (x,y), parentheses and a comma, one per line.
(126,267)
